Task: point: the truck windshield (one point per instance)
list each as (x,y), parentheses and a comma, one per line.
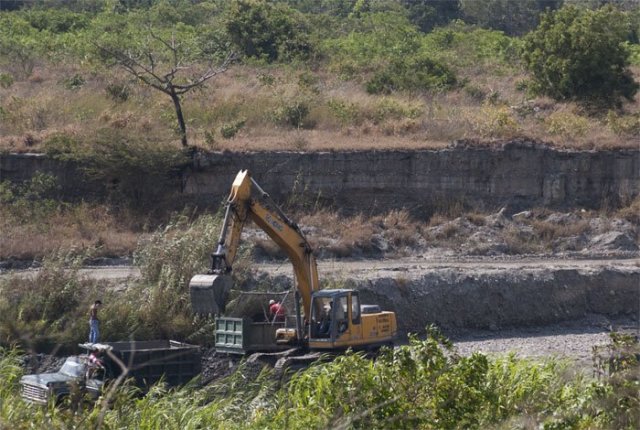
(73,367)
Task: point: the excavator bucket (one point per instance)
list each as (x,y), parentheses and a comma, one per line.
(209,293)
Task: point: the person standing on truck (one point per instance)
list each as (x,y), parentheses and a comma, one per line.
(94,322)
(277,312)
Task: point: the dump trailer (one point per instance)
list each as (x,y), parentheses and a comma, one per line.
(244,336)
(147,362)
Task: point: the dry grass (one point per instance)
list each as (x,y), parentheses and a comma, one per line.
(631,212)
(83,227)
(341,115)
(548,231)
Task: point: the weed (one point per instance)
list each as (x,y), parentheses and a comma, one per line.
(74,82)
(346,112)
(624,125)
(496,122)
(6,80)
(118,92)
(293,114)
(567,125)
(550,230)
(476,93)
(266,79)
(210,139)
(229,130)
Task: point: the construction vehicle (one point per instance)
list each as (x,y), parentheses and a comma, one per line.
(146,362)
(325,320)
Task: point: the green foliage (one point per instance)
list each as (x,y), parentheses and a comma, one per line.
(6,80)
(231,129)
(567,125)
(512,17)
(20,44)
(74,82)
(373,39)
(56,20)
(138,171)
(579,54)
(463,46)
(118,92)
(34,199)
(413,74)
(624,125)
(427,14)
(292,113)
(172,255)
(48,311)
(346,112)
(423,384)
(269,31)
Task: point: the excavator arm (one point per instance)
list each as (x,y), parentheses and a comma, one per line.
(208,292)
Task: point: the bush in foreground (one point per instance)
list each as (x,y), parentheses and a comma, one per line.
(424,384)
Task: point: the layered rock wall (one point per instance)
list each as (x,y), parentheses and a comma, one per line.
(517,174)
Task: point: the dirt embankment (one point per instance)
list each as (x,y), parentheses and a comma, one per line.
(483,293)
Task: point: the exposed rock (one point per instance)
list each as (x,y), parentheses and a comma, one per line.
(613,240)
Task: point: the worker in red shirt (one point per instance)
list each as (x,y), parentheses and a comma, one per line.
(277,311)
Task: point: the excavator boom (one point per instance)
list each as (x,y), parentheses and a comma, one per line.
(208,292)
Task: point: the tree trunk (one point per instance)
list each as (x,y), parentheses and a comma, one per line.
(181,123)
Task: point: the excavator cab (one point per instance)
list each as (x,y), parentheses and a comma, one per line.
(339,321)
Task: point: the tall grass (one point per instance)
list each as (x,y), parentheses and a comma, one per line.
(49,310)
(424,384)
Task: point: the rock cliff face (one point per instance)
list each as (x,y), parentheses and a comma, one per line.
(518,174)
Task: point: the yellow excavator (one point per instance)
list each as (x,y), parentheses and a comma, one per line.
(328,320)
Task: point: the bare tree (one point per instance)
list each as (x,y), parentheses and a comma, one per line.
(170,64)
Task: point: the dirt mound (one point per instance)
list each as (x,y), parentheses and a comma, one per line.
(41,363)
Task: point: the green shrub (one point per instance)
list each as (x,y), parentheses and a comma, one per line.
(292,113)
(567,125)
(48,311)
(579,54)
(138,171)
(388,108)
(346,112)
(423,384)
(624,125)
(230,130)
(6,80)
(118,92)
(265,30)
(371,40)
(415,74)
(496,122)
(463,46)
(56,20)
(34,199)
(74,82)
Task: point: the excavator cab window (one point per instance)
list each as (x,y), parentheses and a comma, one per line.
(342,314)
(321,317)
(355,308)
